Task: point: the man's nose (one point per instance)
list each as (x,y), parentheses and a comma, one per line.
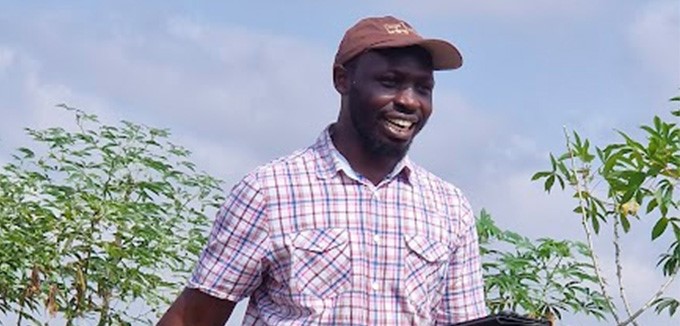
(407,99)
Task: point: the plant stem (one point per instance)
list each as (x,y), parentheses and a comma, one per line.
(22,303)
(648,304)
(104,312)
(586,229)
(619,269)
(549,278)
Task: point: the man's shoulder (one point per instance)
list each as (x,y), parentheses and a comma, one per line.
(430,180)
(301,161)
(444,193)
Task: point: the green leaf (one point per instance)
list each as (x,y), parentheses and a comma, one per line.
(563,169)
(666,303)
(561,181)
(577,140)
(650,131)
(539,175)
(628,195)
(27,152)
(564,156)
(596,224)
(652,204)
(625,223)
(657,122)
(632,144)
(635,178)
(659,227)
(611,162)
(549,183)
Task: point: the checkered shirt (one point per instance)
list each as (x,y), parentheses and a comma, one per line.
(311,242)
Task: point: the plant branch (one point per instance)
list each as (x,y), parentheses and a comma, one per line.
(619,269)
(649,303)
(589,238)
(22,304)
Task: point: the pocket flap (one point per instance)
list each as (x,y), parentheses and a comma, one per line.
(430,250)
(320,240)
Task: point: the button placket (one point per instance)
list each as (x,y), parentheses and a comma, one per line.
(376,273)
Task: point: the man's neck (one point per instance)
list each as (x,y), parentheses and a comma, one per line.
(373,167)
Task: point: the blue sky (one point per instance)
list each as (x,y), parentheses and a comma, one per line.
(241,84)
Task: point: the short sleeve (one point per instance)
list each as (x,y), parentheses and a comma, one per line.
(231,265)
(463,297)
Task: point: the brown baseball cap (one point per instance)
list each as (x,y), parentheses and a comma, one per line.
(390,32)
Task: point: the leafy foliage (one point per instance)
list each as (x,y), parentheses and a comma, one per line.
(97,221)
(640,179)
(670,304)
(541,279)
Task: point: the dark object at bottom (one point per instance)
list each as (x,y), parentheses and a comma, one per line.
(505,319)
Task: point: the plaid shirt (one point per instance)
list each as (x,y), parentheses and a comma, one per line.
(311,242)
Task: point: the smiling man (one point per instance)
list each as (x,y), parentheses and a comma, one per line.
(348,231)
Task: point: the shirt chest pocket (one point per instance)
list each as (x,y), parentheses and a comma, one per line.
(425,265)
(321,264)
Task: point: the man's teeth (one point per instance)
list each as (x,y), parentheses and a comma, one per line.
(401,123)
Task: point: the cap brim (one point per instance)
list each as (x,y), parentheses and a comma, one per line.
(445,56)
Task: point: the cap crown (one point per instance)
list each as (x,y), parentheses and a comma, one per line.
(390,32)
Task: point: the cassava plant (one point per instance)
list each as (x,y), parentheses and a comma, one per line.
(639,178)
(99,225)
(542,279)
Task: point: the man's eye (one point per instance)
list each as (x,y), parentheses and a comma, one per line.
(424,88)
(388,82)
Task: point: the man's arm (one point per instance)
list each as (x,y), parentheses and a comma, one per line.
(194,307)
(231,264)
(463,297)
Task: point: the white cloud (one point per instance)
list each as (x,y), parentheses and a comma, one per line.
(258,86)
(655,36)
(24,99)
(237,87)
(519,148)
(523,206)
(518,11)
(6,58)
(32,100)
(225,161)
(456,137)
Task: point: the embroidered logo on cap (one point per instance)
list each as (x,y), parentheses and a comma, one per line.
(400,28)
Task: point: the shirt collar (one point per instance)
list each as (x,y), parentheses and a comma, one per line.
(331,161)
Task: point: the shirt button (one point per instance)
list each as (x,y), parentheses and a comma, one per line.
(376,239)
(375,286)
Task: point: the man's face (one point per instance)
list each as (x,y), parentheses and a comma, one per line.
(390,98)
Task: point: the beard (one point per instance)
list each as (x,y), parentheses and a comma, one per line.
(366,126)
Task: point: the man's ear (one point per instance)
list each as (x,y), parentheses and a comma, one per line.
(341,79)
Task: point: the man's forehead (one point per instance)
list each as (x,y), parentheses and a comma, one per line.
(398,57)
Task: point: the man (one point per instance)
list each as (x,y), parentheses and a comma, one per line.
(348,231)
